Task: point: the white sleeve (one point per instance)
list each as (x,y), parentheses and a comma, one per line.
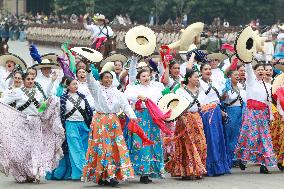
(250,76)
(50,87)
(161,70)
(93,85)
(88,27)
(110,32)
(126,108)
(131,93)
(11,96)
(183,69)
(132,71)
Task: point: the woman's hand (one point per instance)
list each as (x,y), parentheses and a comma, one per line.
(54,76)
(143,98)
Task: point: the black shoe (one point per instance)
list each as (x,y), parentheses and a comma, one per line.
(242,166)
(113,182)
(280,166)
(264,170)
(145,179)
(103,182)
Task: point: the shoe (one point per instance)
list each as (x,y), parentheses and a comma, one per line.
(145,179)
(242,166)
(113,182)
(280,166)
(264,170)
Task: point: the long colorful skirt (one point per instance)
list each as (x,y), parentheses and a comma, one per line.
(189,157)
(147,160)
(277,135)
(107,155)
(232,130)
(255,143)
(217,158)
(169,147)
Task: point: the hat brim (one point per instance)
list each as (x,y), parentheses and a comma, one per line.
(52,57)
(12,57)
(277,82)
(219,56)
(88,54)
(141,49)
(46,65)
(181,106)
(109,66)
(189,34)
(113,58)
(245,45)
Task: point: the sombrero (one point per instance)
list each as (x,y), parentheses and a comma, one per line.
(191,47)
(88,54)
(279,66)
(52,57)
(189,35)
(141,40)
(142,64)
(109,66)
(114,57)
(178,104)
(45,63)
(12,57)
(219,56)
(277,82)
(245,46)
(281,27)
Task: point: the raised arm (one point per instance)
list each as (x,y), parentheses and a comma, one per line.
(132,70)
(93,85)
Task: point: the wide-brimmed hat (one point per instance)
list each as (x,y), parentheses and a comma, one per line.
(189,35)
(141,40)
(277,82)
(52,57)
(141,65)
(190,48)
(12,57)
(109,66)
(279,66)
(219,56)
(45,63)
(88,54)
(245,45)
(178,104)
(281,27)
(114,57)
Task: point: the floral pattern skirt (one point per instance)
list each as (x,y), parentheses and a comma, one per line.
(147,160)
(169,146)
(255,143)
(277,135)
(189,157)
(107,155)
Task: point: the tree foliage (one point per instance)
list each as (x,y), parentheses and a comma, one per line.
(236,11)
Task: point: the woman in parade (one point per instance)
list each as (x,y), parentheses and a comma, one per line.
(147,161)
(254,143)
(217,158)
(234,101)
(32,144)
(107,155)
(189,157)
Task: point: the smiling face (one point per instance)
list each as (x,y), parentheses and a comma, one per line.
(81,75)
(118,67)
(107,79)
(214,63)
(259,72)
(206,72)
(175,70)
(144,78)
(17,80)
(73,86)
(29,81)
(235,77)
(194,79)
(10,66)
(46,71)
(268,71)
(242,73)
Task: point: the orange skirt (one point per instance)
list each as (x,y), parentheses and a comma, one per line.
(107,156)
(189,156)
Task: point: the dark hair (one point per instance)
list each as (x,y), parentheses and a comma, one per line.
(172,63)
(104,73)
(64,78)
(25,75)
(239,66)
(140,72)
(18,72)
(118,61)
(32,68)
(265,65)
(203,65)
(189,74)
(68,80)
(257,66)
(78,70)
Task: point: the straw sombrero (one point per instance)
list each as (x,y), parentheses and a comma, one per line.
(277,82)
(109,66)
(281,27)
(141,40)
(189,34)
(245,45)
(219,56)
(114,57)
(45,63)
(279,66)
(52,57)
(178,104)
(88,54)
(12,57)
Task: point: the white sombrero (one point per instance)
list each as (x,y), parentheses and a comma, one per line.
(219,56)
(190,34)
(281,27)
(141,40)
(245,45)
(114,57)
(88,54)
(142,65)
(178,104)
(109,66)
(52,57)
(12,57)
(277,82)
(45,63)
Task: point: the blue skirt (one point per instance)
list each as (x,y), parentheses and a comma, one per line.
(217,159)
(148,160)
(232,130)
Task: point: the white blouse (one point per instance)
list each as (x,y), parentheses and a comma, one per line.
(83,88)
(212,96)
(218,76)
(4,84)
(18,95)
(202,98)
(109,99)
(152,91)
(232,95)
(77,116)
